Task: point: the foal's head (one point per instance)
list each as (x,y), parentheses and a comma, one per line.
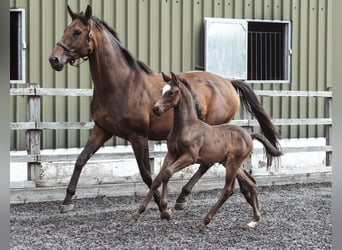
(170,95)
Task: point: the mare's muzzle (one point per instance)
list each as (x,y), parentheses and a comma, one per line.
(55,63)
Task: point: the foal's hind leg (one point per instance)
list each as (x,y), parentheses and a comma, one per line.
(248,189)
(96,139)
(186,190)
(231,172)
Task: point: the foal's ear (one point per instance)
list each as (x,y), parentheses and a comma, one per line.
(174,79)
(88,12)
(166,78)
(71,12)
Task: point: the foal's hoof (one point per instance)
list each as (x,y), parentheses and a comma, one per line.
(67,208)
(201,227)
(181,205)
(252,225)
(135,216)
(166,215)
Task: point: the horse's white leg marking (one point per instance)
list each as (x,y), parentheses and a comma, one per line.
(253,224)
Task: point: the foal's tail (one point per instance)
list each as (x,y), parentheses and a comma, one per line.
(270,149)
(250,102)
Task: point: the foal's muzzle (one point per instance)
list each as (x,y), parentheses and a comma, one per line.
(157,110)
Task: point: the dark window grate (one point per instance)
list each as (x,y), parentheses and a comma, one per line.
(266,56)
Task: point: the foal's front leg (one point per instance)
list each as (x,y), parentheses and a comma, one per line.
(166,174)
(153,189)
(168,169)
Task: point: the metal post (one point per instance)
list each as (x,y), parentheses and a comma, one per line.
(33,136)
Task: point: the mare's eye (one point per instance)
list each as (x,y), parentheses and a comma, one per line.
(77,32)
(171,93)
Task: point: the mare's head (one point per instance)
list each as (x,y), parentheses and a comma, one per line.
(170,95)
(76,41)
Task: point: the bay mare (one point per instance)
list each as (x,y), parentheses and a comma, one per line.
(194,141)
(125,90)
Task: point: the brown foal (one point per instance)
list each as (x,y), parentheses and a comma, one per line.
(194,141)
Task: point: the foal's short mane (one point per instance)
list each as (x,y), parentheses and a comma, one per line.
(130,59)
(194,97)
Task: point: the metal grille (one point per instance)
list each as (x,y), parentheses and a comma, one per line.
(266,59)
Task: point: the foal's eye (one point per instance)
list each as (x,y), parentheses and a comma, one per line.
(171,93)
(77,32)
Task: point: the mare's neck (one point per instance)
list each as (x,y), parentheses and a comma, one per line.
(184,113)
(108,67)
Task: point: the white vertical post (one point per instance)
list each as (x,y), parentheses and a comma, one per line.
(247,116)
(33,136)
(151,149)
(328,130)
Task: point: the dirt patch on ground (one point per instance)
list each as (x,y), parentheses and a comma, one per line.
(293,217)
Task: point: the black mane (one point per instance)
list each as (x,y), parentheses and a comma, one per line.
(130,59)
(194,97)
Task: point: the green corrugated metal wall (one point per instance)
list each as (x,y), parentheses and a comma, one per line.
(168,36)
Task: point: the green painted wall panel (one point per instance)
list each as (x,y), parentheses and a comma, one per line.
(168,35)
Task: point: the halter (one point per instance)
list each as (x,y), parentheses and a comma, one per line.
(70,52)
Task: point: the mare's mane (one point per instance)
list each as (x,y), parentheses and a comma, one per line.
(194,98)
(130,59)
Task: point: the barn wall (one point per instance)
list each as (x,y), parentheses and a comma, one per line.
(168,36)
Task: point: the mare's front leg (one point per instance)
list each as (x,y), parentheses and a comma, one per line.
(141,152)
(181,202)
(96,139)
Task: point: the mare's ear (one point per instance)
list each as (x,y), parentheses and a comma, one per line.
(166,78)
(88,12)
(71,12)
(174,79)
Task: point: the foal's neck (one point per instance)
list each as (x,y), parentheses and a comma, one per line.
(184,112)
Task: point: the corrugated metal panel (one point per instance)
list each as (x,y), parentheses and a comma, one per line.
(168,35)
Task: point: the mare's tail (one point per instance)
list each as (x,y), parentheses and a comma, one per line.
(250,102)
(270,149)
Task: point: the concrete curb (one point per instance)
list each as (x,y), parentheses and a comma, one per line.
(24,195)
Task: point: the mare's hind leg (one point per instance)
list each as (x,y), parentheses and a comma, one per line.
(141,152)
(186,190)
(231,172)
(248,189)
(96,139)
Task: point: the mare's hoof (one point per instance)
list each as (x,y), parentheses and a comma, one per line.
(201,227)
(67,208)
(166,215)
(180,205)
(252,225)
